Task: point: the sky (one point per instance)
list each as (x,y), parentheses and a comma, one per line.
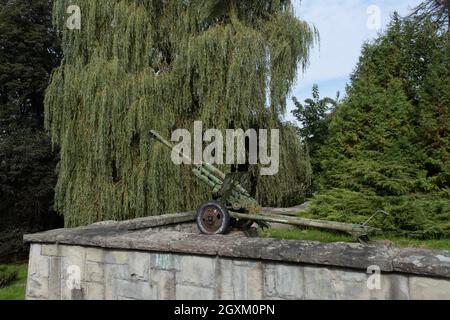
(344,26)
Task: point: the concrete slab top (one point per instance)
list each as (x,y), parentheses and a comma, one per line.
(139,235)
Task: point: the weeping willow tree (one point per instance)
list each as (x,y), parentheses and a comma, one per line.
(138,65)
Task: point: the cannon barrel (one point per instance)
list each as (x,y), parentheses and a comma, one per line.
(211,175)
(188,159)
(168,144)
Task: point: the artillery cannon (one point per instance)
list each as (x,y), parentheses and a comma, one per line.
(232,205)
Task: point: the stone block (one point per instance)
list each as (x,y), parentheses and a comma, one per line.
(115,271)
(197,271)
(95,291)
(335,284)
(319,284)
(184,292)
(65,291)
(284,281)
(399,287)
(423,262)
(78,294)
(225,290)
(110,286)
(164,282)
(95,255)
(37,288)
(54,280)
(161,261)
(72,288)
(247,282)
(135,290)
(35,251)
(73,262)
(116,257)
(38,266)
(422,288)
(138,265)
(51,250)
(94,272)
(393,287)
(241,280)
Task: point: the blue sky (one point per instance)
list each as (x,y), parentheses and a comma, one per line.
(344,26)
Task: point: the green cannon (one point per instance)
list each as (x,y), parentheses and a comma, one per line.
(232,205)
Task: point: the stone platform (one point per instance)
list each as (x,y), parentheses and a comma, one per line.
(165,258)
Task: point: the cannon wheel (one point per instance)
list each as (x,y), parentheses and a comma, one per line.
(213,218)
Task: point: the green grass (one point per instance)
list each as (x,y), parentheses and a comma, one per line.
(305,234)
(8,274)
(16,290)
(329,237)
(443,244)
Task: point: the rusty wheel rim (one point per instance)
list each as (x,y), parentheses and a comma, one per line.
(212,219)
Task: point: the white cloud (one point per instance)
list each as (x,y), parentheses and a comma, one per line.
(343,30)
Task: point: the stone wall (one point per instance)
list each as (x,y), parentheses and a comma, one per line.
(163,258)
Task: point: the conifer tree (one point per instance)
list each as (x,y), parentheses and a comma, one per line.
(434,117)
(388,140)
(138,65)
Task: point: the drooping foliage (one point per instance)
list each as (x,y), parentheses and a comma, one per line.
(28,53)
(388,146)
(138,65)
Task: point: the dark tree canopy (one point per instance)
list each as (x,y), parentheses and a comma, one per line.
(28,53)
